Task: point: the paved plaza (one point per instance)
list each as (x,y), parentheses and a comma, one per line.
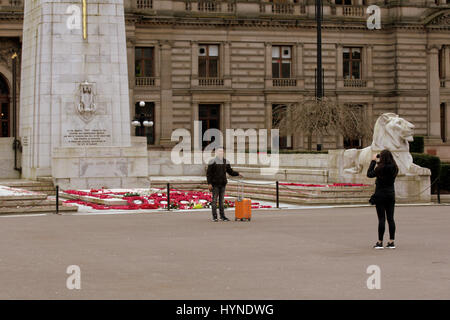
(285,254)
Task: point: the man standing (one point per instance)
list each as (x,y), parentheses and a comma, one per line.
(216,176)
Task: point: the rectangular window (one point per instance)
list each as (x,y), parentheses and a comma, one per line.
(441,64)
(208,61)
(209,115)
(443,122)
(144,62)
(285,142)
(4,119)
(145,113)
(344,2)
(352,63)
(281,61)
(350,143)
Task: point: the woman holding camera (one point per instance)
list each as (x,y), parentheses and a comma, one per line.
(385,169)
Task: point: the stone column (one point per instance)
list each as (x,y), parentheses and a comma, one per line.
(194,117)
(299,60)
(166,93)
(447,121)
(268,110)
(132,77)
(226,60)
(158,122)
(158,61)
(194,59)
(339,67)
(268,60)
(194,63)
(368,62)
(434,124)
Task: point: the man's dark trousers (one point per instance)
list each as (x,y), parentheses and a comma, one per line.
(218,192)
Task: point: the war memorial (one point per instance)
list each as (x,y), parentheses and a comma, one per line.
(108,107)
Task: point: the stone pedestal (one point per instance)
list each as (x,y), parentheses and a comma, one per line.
(408,188)
(96,167)
(75,113)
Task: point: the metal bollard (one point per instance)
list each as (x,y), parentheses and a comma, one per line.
(438,191)
(57,199)
(168,196)
(278,195)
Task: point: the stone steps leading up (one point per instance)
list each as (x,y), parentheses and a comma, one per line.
(15,200)
(42,185)
(317,175)
(287,194)
(36,209)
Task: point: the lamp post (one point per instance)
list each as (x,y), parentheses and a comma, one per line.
(16,143)
(141,122)
(319,71)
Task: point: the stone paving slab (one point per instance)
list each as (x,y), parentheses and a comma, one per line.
(281,254)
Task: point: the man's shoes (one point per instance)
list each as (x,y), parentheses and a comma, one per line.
(390,245)
(215,219)
(378,246)
(224,218)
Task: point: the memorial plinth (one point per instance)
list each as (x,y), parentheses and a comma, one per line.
(75,114)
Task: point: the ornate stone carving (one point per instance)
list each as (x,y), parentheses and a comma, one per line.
(86,107)
(443,20)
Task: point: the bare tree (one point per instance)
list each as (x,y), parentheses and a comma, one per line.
(314,116)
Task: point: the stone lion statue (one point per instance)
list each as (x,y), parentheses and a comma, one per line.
(392,133)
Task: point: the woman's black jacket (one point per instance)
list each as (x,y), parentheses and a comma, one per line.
(385,178)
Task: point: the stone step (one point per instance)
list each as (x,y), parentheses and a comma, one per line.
(305,175)
(25,183)
(45,186)
(27,203)
(38,188)
(305,201)
(45,179)
(36,209)
(305,193)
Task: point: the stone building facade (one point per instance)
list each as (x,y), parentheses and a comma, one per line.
(229,63)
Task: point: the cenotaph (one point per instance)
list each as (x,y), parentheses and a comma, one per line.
(74,102)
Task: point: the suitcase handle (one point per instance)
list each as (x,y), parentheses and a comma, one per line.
(240,186)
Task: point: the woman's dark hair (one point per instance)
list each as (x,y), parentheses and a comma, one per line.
(386,160)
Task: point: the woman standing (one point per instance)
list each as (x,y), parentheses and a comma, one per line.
(384,168)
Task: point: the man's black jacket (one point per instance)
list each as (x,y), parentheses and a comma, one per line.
(216,174)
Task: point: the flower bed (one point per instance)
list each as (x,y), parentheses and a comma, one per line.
(179,199)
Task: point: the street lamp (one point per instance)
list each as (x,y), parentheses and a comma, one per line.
(16,143)
(319,70)
(141,122)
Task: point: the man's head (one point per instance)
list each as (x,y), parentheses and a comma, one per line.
(219,152)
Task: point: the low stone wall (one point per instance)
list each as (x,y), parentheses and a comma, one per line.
(160,164)
(7,159)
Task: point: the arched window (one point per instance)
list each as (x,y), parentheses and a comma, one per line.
(4,108)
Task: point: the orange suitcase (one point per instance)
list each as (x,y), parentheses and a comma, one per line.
(243,210)
(242,207)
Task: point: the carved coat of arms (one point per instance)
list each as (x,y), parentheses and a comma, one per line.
(86,107)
